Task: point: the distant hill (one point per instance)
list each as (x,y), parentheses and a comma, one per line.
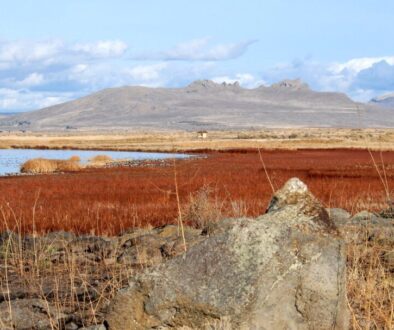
(203,105)
(385,100)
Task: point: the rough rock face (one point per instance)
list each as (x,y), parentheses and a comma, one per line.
(295,84)
(96,259)
(283,270)
(29,314)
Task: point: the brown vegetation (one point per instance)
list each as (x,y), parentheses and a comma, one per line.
(289,138)
(75,158)
(43,165)
(110,200)
(201,210)
(231,183)
(370,280)
(100,159)
(39,270)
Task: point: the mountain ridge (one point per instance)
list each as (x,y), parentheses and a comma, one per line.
(386,100)
(203,104)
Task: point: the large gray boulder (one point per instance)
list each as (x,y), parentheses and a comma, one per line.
(283,270)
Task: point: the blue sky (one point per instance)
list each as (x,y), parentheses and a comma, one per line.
(54,51)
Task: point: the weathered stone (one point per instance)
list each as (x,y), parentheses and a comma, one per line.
(388,213)
(338,216)
(93,248)
(388,258)
(141,251)
(142,255)
(142,248)
(29,314)
(283,270)
(71,326)
(378,232)
(365,216)
(95,327)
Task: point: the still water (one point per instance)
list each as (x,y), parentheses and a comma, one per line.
(11,159)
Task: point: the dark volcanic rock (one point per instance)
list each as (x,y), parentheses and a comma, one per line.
(30,314)
(283,270)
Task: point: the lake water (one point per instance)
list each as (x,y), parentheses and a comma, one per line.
(11,159)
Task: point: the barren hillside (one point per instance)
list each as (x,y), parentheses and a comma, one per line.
(204,105)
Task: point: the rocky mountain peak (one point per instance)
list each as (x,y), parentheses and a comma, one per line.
(209,84)
(295,84)
(203,84)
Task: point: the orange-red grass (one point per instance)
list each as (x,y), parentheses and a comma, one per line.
(105,201)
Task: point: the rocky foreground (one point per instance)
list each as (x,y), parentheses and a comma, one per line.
(283,270)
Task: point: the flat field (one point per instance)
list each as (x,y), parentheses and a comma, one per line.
(289,138)
(107,201)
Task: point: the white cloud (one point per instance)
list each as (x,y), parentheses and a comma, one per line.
(199,50)
(146,73)
(20,99)
(79,68)
(246,80)
(26,51)
(360,78)
(32,79)
(358,64)
(45,53)
(107,48)
(380,76)
(38,74)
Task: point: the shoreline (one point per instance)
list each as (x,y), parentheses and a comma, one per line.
(127,163)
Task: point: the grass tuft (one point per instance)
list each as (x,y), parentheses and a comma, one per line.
(43,165)
(100,159)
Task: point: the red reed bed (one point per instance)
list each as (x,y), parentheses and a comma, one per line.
(106,201)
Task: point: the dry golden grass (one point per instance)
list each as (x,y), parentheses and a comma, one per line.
(290,138)
(39,165)
(68,166)
(75,159)
(203,209)
(100,159)
(82,289)
(370,281)
(42,165)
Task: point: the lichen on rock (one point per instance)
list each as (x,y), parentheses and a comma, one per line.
(285,269)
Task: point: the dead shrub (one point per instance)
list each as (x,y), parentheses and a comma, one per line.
(239,209)
(370,281)
(43,165)
(75,158)
(39,165)
(203,210)
(68,166)
(100,159)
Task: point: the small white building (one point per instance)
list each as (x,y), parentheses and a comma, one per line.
(202,134)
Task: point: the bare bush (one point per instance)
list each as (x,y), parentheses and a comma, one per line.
(370,281)
(239,209)
(202,209)
(68,166)
(39,165)
(42,165)
(75,158)
(100,159)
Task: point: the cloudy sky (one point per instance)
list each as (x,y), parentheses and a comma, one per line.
(55,51)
